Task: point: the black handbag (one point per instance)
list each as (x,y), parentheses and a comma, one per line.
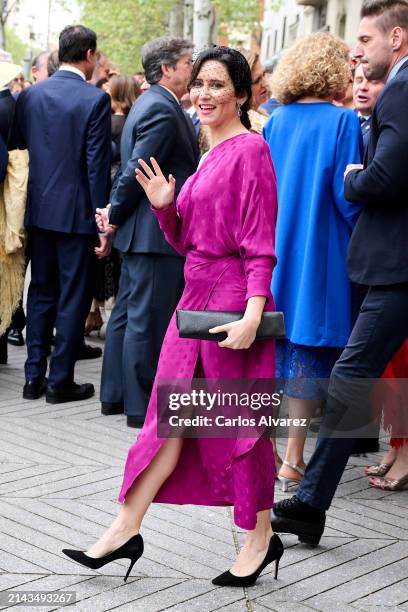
(196,323)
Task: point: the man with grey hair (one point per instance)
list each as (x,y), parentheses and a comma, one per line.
(39,66)
(152,272)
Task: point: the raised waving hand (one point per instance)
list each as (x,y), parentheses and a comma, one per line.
(158,189)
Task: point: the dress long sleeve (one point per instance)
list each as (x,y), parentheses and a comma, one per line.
(171,225)
(258,219)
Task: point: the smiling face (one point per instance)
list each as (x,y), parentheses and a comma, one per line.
(213,95)
(365,92)
(259,85)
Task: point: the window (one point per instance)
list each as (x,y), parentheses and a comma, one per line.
(342,26)
(293,30)
(284,32)
(268,45)
(320,17)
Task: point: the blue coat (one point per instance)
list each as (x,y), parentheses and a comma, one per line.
(311,145)
(66,125)
(156,127)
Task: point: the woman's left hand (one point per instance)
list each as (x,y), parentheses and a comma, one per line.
(241,334)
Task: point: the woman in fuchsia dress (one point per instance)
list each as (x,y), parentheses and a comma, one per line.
(224,224)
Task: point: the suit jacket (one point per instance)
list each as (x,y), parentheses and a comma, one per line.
(66,125)
(155,127)
(7,106)
(378,253)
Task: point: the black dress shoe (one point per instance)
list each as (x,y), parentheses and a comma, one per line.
(294,516)
(132,549)
(33,389)
(135,421)
(15,337)
(89,352)
(108,408)
(69,393)
(275,552)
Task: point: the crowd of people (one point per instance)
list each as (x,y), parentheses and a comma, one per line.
(190,186)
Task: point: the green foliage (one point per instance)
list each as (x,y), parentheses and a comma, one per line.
(124,26)
(237,17)
(237,14)
(15,46)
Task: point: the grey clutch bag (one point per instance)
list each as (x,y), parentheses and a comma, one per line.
(196,323)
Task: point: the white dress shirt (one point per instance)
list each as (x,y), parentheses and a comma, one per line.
(70,68)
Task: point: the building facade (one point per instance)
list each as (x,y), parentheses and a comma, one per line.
(298,18)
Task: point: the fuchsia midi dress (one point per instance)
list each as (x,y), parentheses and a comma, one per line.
(224,224)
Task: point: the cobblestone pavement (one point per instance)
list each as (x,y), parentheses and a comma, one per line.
(60,470)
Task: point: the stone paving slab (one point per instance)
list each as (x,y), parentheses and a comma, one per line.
(60,472)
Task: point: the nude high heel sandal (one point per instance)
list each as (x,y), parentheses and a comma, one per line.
(285,482)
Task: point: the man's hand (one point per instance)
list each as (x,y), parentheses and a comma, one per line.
(102,221)
(105,246)
(351,167)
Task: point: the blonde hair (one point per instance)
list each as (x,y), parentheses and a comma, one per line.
(315,66)
(251,56)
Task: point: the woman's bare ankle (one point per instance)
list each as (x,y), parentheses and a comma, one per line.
(258,541)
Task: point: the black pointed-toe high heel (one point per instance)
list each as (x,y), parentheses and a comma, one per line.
(275,552)
(132,549)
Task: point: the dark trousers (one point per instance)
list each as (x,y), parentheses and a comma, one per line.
(380,329)
(59,295)
(3,349)
(149,289)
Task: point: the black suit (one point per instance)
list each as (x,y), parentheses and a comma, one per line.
(7,106)
(152,272)
(66,125)
(378,258)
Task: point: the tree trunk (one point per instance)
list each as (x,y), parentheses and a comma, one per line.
(3,13)
(2,36)
(188,19)
(176,21)
(203,23)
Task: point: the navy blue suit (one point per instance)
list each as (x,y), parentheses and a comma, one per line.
(152,272)
(378,259)
(66,125)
